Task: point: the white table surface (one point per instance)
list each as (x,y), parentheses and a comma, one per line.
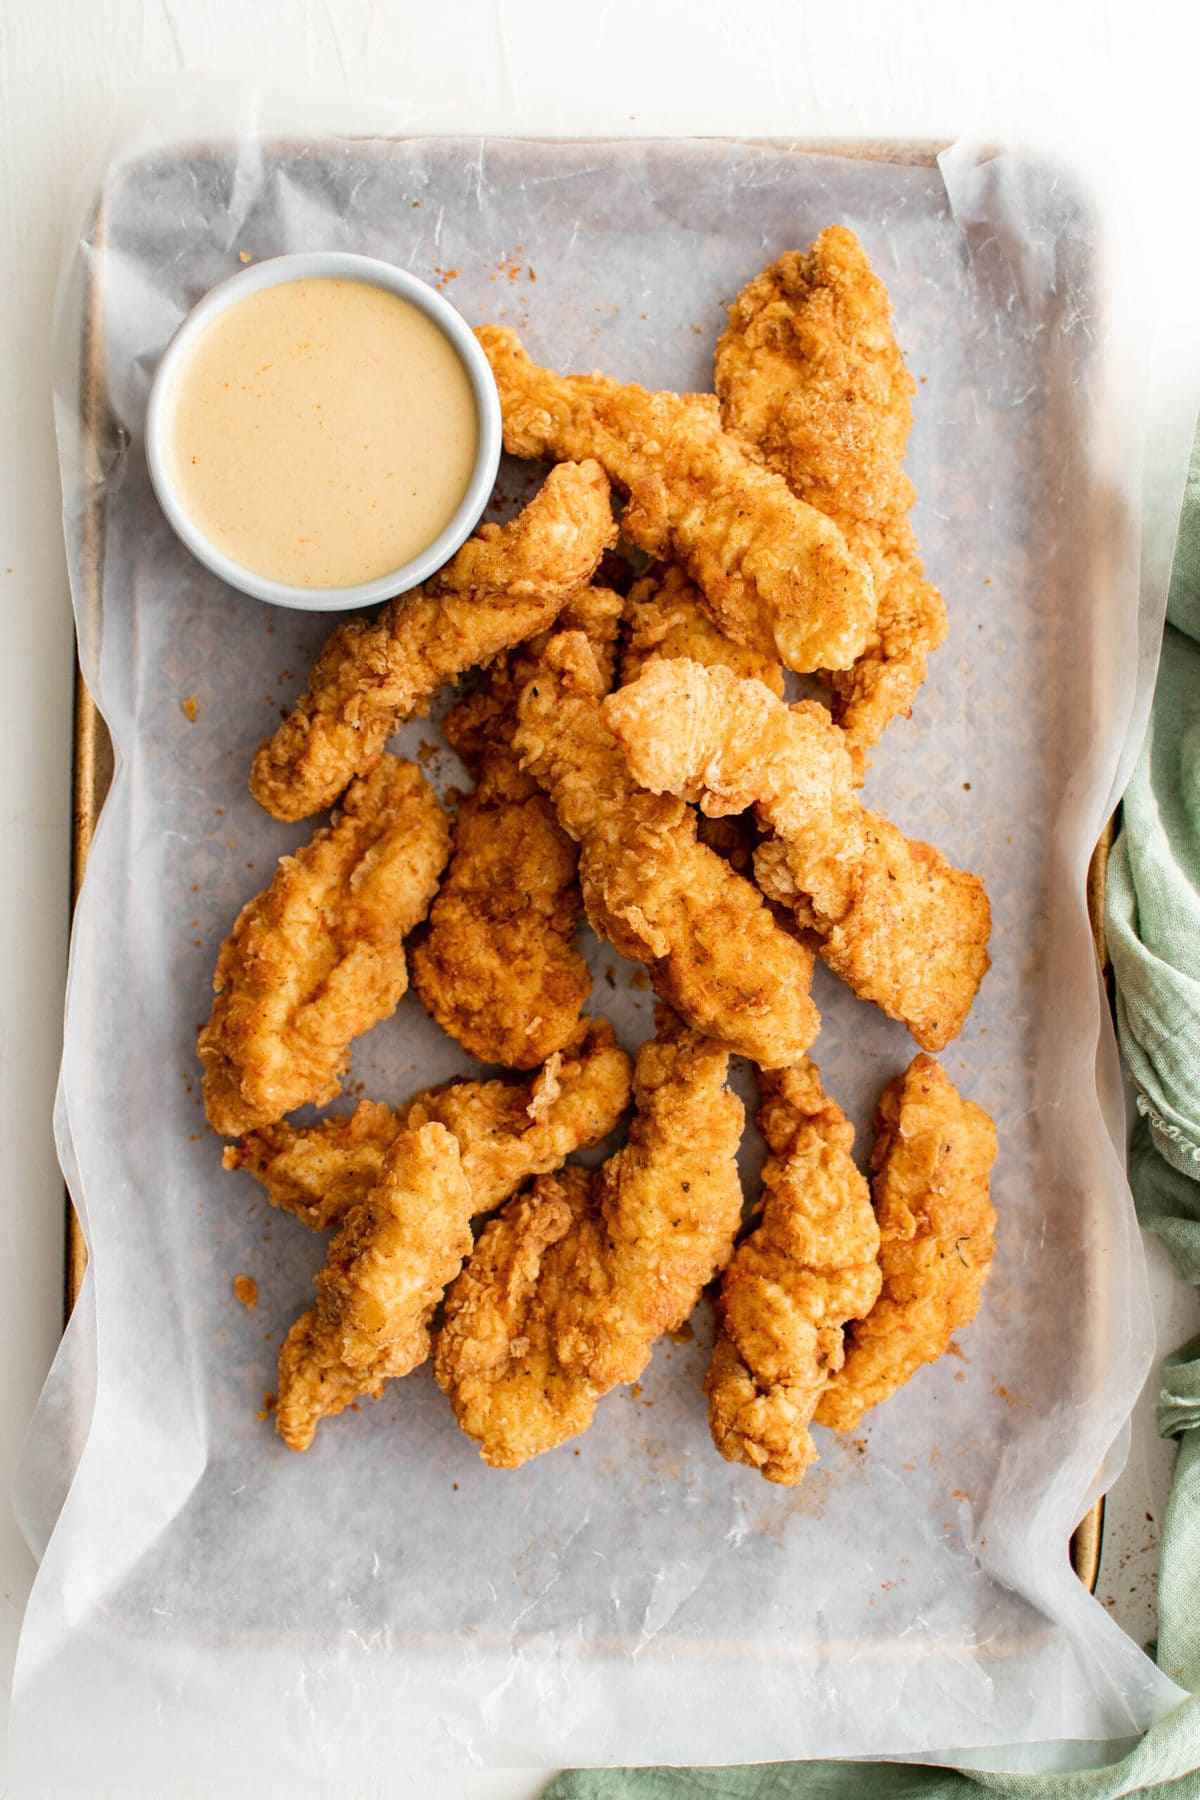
(875,68)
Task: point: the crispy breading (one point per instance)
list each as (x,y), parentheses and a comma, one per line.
(808,1267)
(664,618)
(318,1172)
(506,1131)
(932,1161)
(893,918)
(809,373)
(568,1288)
(775,573)
(909,626)
(499,968)
(711,946)
(383,1278)
(496,1354)
(318,958)
(504,585)
(811,378)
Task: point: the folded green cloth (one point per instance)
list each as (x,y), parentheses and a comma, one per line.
(1154,940)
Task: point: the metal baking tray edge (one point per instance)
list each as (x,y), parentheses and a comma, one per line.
(93,753)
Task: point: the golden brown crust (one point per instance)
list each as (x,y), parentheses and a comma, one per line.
(774,573)
(893,918)
(808,371)
(792,1285)
(384,1275)
(318,958)
(811,379)
(664,618)
(496,1355)
(506,1132)
(318,1172)
(932,1161)
(499,968)
(910,625)
(504,585)
(711,946)
(569,1287)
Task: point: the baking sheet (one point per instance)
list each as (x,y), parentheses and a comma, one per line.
(386,1595)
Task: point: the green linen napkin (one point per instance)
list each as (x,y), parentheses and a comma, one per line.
(1153,905)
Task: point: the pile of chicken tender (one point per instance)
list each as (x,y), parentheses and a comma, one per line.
(635,763)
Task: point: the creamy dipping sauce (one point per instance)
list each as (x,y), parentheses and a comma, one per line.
(322,433)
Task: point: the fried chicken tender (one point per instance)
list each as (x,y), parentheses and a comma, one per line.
(893,919)
(775,573)
(499,968)
(318,958)
(571,1284)
(811,379)
(909,626)
(933,1156)
(808,371)
(506,1131)
(385,1273)
(496,1356)
(504,585)
(809,1267)
(711,946)
(664,619)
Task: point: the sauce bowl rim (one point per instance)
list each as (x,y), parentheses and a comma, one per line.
(325,265)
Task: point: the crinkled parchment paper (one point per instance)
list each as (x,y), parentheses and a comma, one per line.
(385,1600)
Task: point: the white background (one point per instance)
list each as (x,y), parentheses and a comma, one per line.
(1115,78)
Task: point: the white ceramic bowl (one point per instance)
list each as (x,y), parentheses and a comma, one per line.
(332,265)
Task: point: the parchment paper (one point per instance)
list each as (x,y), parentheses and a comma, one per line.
(385,1600)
